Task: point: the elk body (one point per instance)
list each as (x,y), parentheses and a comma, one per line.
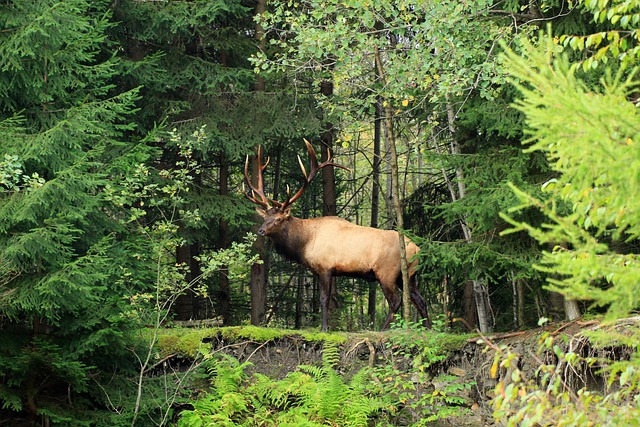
(330,246)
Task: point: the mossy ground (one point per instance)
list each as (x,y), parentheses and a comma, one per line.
(190,342)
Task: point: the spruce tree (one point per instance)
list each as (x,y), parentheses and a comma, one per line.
(65,136)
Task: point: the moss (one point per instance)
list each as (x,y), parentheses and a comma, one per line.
(190,342)
(185,341)
(259,334)
(453,342)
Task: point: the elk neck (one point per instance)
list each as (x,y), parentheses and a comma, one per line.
(291,239)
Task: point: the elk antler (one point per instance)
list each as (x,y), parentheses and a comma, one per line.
(315,167)
(259,191)
(257,195)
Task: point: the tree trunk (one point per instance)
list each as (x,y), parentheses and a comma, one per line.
(571,309)
(481,295)
(521,317)
(224,295)
(329,203)
(469,306)
(518,302)
(329,207)
(184,305)
(375,199)
(395,187)
(259,271)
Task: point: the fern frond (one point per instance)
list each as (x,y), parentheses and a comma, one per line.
(330,354)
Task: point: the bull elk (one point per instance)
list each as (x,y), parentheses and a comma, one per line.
(330,246)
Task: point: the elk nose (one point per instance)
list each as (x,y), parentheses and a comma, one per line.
(261,232)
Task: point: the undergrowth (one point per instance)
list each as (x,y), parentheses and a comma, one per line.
(560,393)
(400,392)
(310,396)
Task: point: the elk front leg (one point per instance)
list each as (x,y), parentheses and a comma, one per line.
(325,294)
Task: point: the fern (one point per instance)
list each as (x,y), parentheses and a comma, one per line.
(311,396)
(227,374)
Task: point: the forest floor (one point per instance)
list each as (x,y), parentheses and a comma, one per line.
(466,358)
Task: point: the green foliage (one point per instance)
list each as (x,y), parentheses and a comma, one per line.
(50,55)
(417,395)
(63,141)
(311,396)
(339,39)
(589,133)
(618,38)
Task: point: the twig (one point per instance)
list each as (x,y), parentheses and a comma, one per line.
(254,351)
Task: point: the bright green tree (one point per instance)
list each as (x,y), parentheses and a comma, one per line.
(588,131)
(584,119)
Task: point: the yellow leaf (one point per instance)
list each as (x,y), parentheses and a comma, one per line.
(494,367)
(629,141)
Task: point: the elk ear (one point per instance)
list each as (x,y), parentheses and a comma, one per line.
(261,212)
(287,212)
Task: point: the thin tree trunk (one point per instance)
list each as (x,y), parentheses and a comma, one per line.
(445,301)
(480,294)
(469,306)
(520,287)
(388,124)
(479,290)
(518,302)
(329,207)
(514,302)
(259,271)
(375,198)
(329,204)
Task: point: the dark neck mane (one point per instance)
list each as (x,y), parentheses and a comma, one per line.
(291,240)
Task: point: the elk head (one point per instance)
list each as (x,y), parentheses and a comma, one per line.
(273,212)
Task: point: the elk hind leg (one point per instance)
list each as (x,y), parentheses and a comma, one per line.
(419,302)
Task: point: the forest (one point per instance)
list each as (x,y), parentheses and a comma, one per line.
(501,136)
